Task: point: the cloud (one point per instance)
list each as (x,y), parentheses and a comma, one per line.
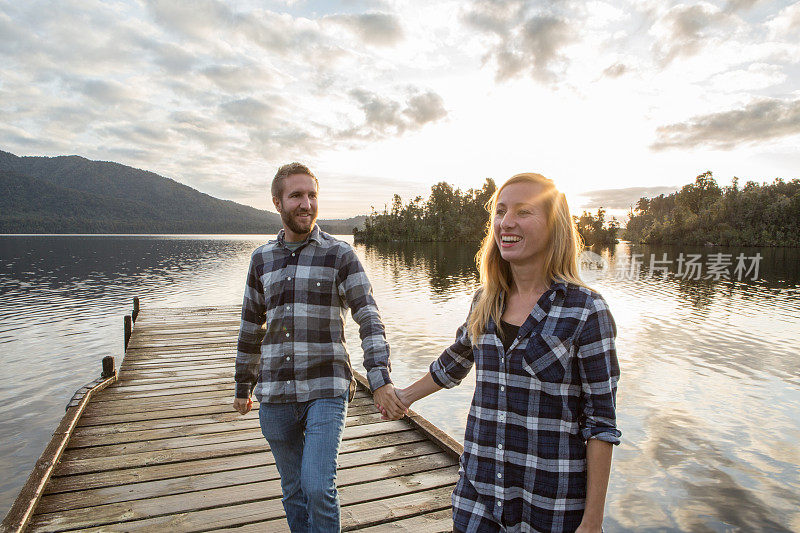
(378,29)
(424,108)
(247,111)
(233,78)
(737,5)
(622,198)
(759,121)
(685,29)
(523,43)
(615,71)
(786,22)
(385,117)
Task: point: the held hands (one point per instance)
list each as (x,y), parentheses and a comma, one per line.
(388,403)
(243,405)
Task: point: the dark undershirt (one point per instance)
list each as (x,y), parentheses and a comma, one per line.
(510,332)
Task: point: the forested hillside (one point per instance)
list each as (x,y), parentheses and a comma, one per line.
(702,212)
(71,194)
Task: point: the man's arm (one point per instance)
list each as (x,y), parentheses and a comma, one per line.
(251,332)
(356,289)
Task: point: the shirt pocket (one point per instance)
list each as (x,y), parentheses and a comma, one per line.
(274,283)
(547,358)
(316,291)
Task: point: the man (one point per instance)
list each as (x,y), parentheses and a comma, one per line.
(291,348)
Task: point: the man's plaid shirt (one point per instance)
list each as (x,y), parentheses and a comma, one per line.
(535,406)
(291,340)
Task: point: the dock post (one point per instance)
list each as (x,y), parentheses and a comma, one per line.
(135,312)
(108,367)
(128,329)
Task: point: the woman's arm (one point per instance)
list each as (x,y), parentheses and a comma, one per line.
(598,469)
(419,389)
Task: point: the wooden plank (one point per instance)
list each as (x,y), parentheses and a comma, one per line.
(170,392)
(219,407)
(70,465)
(181,422)
(206,465)
(136,353)
(188,399)
(398,460)
(190,344)
(122,389)
(111,403)
(144,334)
(168,363)
(149,435)
(435,522)
(112,450)
(120,406)
(392,511)
(228,506)
(209,369)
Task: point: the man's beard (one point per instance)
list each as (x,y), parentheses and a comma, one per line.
(295,225)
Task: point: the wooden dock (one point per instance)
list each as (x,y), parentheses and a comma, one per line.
(160,448)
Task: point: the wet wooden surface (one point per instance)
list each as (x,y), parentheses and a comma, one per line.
(162,449)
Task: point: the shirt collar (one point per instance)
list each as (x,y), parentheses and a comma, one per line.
(313,236)
(559,285)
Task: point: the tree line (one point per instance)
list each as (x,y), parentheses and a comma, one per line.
(702,212)
(452,215)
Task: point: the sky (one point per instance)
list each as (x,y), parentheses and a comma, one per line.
(613,100)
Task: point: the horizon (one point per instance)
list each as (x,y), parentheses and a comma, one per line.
(612,100)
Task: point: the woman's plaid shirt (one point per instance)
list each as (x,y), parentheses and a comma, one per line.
(535,406)
(291,340)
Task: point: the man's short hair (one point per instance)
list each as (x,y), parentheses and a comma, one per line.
(290,169)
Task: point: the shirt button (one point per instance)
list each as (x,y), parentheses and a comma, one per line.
(502,416)
(318,284)
(502,388)
(499,503)
(499,475)
(292,254)
(499,446)
(289,278)
(288,358)
(287,334)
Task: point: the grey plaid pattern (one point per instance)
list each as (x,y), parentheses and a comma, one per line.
(291,340)
(535,406)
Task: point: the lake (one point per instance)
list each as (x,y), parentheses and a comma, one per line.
(708,343)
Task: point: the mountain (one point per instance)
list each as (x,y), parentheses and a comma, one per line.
(71,194)
(342,226)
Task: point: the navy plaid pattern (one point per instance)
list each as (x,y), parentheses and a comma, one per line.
(535,406)
(291,340)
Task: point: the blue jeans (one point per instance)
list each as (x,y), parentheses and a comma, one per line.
(305,438)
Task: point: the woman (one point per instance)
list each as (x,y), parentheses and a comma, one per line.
(537,448)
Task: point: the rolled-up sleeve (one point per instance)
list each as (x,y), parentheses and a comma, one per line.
(599,371)
(357,291)
(251,332)
(450,368)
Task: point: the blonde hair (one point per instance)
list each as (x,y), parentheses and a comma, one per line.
(560,264)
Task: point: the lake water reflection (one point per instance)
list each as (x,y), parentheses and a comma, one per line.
(710,373)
